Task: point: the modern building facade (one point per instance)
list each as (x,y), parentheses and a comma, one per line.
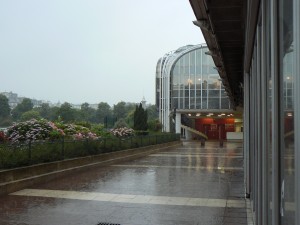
(188,85)
(256,46)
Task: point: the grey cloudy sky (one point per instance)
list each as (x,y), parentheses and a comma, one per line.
(89,50)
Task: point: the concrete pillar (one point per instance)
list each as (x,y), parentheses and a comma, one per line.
(178,123)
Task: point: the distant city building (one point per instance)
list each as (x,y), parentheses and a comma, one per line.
(76,106)
(38,103)
(57,104)
(14,100)
(94,106)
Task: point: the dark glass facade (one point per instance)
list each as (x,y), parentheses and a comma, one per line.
(270,138)
(270,45)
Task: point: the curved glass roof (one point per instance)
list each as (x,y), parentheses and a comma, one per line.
(170,58)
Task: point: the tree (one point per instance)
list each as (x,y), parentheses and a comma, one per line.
(32,114)
(120,110)
(152,112)
(44,110)
(5,118)
(4,107)
(129,107)
(53,113)
(87,113)
(103,112)
(130,118)
(120,123)
(154,125)
(140,118)
(66,113)
(25,106)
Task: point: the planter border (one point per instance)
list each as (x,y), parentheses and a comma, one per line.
(13,180)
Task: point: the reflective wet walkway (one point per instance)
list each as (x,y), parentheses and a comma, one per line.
(186,185)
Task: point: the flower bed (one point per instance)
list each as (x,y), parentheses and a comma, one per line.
(122,132)
(39,141)
(23,154)
(37,130)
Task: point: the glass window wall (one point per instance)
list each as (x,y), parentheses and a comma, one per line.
(287,112)
(196,84)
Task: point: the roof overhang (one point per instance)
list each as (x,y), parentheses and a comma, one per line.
(223,26)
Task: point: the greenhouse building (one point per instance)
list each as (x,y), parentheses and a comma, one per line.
(191,97)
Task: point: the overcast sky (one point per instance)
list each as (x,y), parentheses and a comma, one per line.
(89,50)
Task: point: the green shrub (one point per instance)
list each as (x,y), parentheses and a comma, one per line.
(24,154)
(100,130)
(84,124)
(154,125)
(120,123)
(141,132)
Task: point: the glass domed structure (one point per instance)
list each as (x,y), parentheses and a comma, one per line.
(187,82)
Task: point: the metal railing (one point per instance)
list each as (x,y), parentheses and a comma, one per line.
(29,153)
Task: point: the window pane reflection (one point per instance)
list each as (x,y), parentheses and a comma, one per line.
(287,111)
(193,77)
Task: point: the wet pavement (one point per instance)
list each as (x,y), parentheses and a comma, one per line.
(186,185)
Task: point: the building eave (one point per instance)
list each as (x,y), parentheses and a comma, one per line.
(223,24)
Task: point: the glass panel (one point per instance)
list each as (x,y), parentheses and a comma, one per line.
(187,93)
(224,103)
(192,81)
(213,82)
(204,103)
(181,105)
(192,93)
(194,72)
(212,70)
(214,93)
(186,103)
(192,62)
(204,82)
(198,82)
(223,93)
(287,111)
(213,103)
(175,94)
(269,112)
(198,103)
(175,103)
(186,64)
(192,103)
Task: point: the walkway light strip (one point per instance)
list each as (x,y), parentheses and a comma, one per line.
(132,199)
(200,156)
(184,167)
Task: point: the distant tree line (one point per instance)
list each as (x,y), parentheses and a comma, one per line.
(104,114)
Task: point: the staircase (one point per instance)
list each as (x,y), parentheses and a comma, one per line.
(194,131)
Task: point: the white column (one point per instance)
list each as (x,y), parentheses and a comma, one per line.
(178,123)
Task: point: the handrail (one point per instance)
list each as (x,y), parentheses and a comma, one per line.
(195,131)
